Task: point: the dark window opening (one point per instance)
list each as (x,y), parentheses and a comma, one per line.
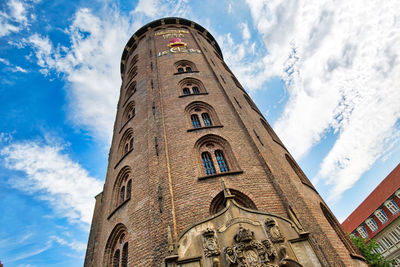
(122,194)
(218,203)
(195,121)
(206,119)
(116,259)
(188,69)
(128,189)
(186,91)
(221,161)
(195,90)
(124,259)
(207,163)
(180,70)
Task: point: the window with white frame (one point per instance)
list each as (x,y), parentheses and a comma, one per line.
(380,214)
(380,248)
(391,205)
(395,236)
(371,224)
(387,241)
(362,231)
(397,193)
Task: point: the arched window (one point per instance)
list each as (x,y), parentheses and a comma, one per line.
(131,89)
(213,150)
(207,163)
(272,133)
(195,121)
(218,203)
(198,109)
(339,230)
(129,113)
(206,119)
(223,167)
(122,189)
(303,178)
(126,143)
(191,86)
(116,251)
(185,66)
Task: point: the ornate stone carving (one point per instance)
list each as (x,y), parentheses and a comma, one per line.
(210,243)
(273,231)
(248,252)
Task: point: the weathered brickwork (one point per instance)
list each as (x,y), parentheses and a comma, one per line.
(156,148)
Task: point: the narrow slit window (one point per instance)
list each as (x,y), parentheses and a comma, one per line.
(126,148)
(131,144)
(206,119)
(122,194)
(207,163)
(195,121)
(124,259)
(221,161)
(116,259)
(128,189)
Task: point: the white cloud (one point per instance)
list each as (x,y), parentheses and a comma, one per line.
(19,69)
(148,7)
(16,18)
(75,245)
(340,62)
(52,176)
(245,31)
(91,64)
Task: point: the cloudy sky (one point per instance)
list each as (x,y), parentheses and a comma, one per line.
(326,74)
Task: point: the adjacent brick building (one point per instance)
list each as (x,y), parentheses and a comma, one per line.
(196,175)
(378,217)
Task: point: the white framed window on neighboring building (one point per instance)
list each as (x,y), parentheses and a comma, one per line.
(392,206)
(397,193)
(395,235)
(362,231)
(387,241)
(371,224)
(380,214)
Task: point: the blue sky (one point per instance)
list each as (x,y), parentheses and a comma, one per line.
(325,75)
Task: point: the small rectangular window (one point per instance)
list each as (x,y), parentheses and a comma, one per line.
(392,207)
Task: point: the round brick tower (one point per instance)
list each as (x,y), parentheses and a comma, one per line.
(196,175)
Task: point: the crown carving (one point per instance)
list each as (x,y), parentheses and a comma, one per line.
(244,235)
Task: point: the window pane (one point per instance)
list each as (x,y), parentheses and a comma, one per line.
(180,70)
(186,91)
(207,163)
(392,206)
(188,69)
(128,189)
(195,90)
(195,121)
(126,148)
(221,161)
(116,259)
(124,260)
(206,119)
(131,144)
(122,194)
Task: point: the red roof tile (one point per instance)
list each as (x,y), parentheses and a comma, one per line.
(380,194)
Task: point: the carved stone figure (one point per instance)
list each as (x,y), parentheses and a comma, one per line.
(248,252)
(210,243)
(273,231)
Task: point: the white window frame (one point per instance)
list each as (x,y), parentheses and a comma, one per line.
(362,231)
(380,214)
(391,206)
(397,193)
(387,241)
(371,224)
(395,236)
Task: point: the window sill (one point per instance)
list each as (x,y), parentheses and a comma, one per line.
(206,127)
(123,126)
(186,72)
(116,165)
(117,208)
(193,94)
(220,174)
